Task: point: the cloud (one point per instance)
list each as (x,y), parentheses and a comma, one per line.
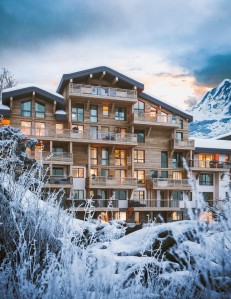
(215,70)
(190,101)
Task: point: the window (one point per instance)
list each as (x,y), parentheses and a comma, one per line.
(77,194)
(139,156)
(94,172)
(93,113)
(177,195)
(93,132)
(59,128)
(138,195)
(164,159)
(120,173)
(177,175)
(162,117)
(153,112)
(78,113)
(120,113)
(120,157)
(140,176)
(40,129)
(206,160)
(58,150)
(105,111)
(140,135)
(26,109)
(58,171)
(139,107)
(26,127)
(105,156)
(154,174)
(78,172)
(104,172)
(179,135)
(206,179)
(207,196)
(77,129)
(40,110)
(94,156)
(121,194)
(164,174)
(177,160)
(181,124)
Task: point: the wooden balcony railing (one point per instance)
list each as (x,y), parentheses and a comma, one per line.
(97,203)
(59,180)
(182,144)
(149,203)
(102,92)
(209,164)
(111,182)
(51,156)
(85,135)
(158,119)
(170,183)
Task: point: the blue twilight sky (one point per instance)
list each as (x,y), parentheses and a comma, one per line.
(179,49)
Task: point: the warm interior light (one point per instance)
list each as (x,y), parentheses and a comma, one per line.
(5,122)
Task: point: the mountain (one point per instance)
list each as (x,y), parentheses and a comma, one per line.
(212,115)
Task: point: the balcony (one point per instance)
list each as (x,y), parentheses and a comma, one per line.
(98,204)
(101,92)
(111,182)
(151,204)
(59,182)
(170,184)
(185,144)
(60,157)
(154,120)
(84,136)
(209,165)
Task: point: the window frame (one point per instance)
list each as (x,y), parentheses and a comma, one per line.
(136,175)
(79,113)
(138,109)
(136,156)
(78,172)
(43,113)
(93,117)
(25,110)
(119,159)
(118,112)
(205,181)
(138,132)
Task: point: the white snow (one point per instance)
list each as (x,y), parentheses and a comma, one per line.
(60,112)
(4,107)
(213,143)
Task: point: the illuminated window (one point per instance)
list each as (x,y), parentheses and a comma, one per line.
(139,156)
(40,129)
(138,195)
(26,127)
(153,112)
(26,109)
(120,157)
(140,176)
(105,111)
(78,113)
(177,175)
(94,172)
(94,156)
(40,110)
(78,172)
(59,128)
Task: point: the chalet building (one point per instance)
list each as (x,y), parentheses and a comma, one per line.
(111,141)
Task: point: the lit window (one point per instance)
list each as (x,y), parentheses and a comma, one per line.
(120,113)
(78,172)
(140,176)
(26,109)
(177,175)
(40,110)
(94,172)
(40,129)
(94,156)
(26,127)
(105,111)
(138,195)
(120,157)
(77,113)
(138,156)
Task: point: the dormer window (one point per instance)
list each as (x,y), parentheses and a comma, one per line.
(40,110)
(26,109)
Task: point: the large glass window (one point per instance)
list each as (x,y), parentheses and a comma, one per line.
(140,135)
(177,195)
(93,113)
(78,113)
(139,107)
(40,129)
(120,157)
(179,136)
(164,159)
(207,196)
(206,179)
(177,175)
(77,129)
(138,195)
(164,174)
(105,156)
(120,113)
(177,160)
(140,176)
(139,156)
(26,127)
(78,172)
(40,110)
(105,111)
(58,171)
(26,109)
(121,194)
(94,156)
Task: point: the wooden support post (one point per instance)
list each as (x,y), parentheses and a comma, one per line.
(115,81)
(132,162)
(102,75)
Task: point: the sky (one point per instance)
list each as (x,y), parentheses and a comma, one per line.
(179,49)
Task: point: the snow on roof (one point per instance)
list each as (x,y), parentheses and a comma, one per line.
(4,107)
(213,143)
(60,112)
(223,135)
(21,86)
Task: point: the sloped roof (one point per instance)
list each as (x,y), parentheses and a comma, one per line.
(123,81)
(212,146)
(169,107)
(27,91)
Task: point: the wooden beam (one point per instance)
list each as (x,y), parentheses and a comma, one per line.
(115,81)
(102,75)
(11,103)
(112,107)
(112,150)
(149,131)
(54,107)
